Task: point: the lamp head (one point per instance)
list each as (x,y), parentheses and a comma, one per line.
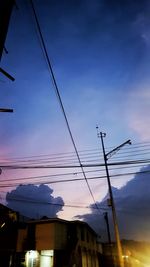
(129,142)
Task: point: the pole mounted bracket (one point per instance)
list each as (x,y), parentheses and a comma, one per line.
(100,134)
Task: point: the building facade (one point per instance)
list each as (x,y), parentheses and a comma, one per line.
(57,243)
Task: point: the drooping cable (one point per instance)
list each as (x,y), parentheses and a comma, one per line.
(59,98)
(35,201)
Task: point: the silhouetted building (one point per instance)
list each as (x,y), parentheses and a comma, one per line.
(57,243)
(8,235)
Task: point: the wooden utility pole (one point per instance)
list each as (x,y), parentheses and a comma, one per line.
(112,203)
(107,225)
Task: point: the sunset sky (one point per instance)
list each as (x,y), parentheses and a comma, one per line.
(100,55)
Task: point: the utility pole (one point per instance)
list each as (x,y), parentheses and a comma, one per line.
(116,230)
(107,225)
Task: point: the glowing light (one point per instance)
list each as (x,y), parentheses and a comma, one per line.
(46,258)
(3,225)
(47,253)
(125,256)
(33,254)
(31,257)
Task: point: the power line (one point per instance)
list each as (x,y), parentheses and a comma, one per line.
(74,180)
(93,155)
(54,204)
(91,207)
(63,162)
(57,175)
(71,154)
(58,95)
(113,163)
(40,179)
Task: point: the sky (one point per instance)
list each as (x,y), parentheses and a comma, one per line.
(100,54)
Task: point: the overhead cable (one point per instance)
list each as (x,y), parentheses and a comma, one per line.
(59,97)
(72,179)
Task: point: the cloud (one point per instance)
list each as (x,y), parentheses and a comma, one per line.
(34,201)
(132,206)
(141,26)
(138,112)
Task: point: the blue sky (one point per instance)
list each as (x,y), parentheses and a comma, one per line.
(100,55)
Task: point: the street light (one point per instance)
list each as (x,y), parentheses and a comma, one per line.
(106,157)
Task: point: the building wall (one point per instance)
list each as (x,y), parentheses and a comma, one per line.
(21,240)
(50,236)
(45,236)
(86,253)
(72,243)
(60,236)
(88,239)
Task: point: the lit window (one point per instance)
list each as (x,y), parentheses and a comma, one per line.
(31,258)
(46,258)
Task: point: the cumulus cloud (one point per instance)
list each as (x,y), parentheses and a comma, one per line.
(34,201)
(138,112)
(132,206)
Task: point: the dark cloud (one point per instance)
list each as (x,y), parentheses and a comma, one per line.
(132,206)
(34,201)
(106,33)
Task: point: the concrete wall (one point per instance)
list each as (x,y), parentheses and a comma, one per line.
(50,236)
